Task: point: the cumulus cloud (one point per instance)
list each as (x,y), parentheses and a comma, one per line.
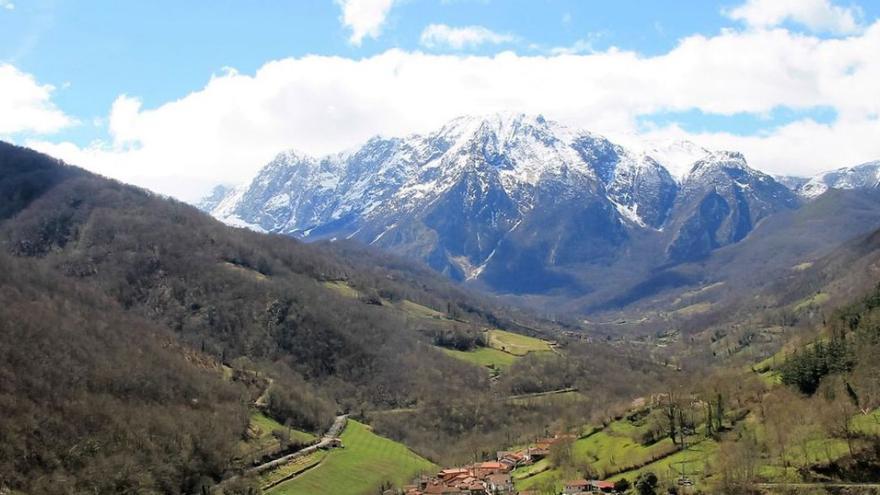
(817,15)
(319,104)
(26,105)
(441,35)
(364,17)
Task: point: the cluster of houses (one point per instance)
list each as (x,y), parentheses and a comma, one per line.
(483,478)
(494,477)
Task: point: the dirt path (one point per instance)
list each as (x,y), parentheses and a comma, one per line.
(538,394)
(263,400)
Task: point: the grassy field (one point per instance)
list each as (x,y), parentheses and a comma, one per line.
(693,309)
(562,399)
(367,461)
(514,343)
(342,288)
(483,356)
(528,471)
(539,480)
(692,462)
(803,266)
(609,451)
(247,272)
(262,427)
(504,348)
(814,300)
(420,311)
(867,424)
(292,468)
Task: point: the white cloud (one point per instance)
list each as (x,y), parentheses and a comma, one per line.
(817,15)
(319,104)
(25,104)
(364,17)
(441,35)
(7,5)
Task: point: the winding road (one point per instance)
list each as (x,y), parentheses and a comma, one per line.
(329,440)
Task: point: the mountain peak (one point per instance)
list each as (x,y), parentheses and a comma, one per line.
(715,160)
(865,175)
(289,157)
(501,124)
(677,156)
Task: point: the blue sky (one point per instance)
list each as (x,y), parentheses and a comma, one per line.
(162,50)
(133,60)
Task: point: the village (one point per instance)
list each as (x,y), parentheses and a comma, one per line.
(495,478)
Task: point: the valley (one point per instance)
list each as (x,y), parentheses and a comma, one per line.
(275,342)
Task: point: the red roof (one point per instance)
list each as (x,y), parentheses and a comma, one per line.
(604,484)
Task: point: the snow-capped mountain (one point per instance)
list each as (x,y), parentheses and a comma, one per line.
(720,201)
(509,199)
(864,176)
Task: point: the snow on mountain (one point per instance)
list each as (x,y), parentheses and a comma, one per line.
(793,182)
(506,198)
(676,156)
(866,175)
(296,191)
(720,202)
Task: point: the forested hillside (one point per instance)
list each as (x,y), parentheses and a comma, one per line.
(98,400)
(153,326)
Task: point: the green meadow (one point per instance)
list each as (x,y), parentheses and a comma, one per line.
(366,462)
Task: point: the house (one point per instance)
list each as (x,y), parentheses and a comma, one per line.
(449,474)
(577,487)
(513,459)
(483,469)
(501,454)
(437,488)
(500,483)
(602,486)
(537,453)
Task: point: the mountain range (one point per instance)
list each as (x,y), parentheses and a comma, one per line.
(522,205)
